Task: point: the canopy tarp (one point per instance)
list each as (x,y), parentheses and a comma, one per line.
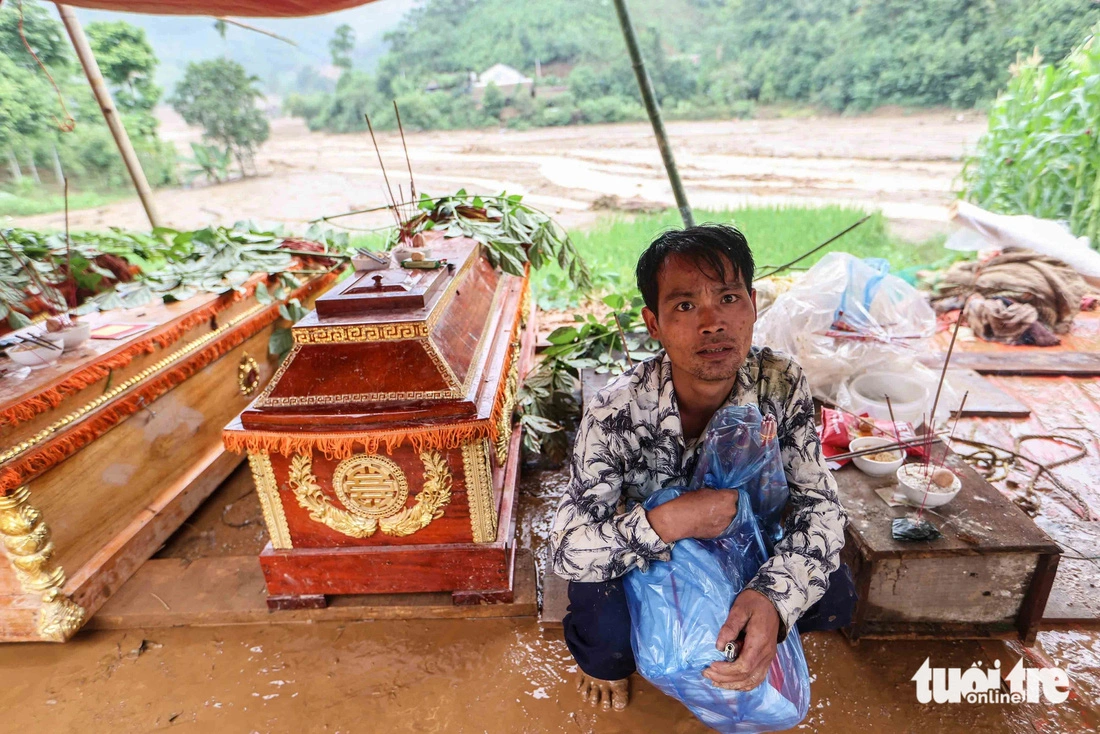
(223,8)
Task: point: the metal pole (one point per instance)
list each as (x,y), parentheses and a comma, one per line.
(110,114)
(654,111)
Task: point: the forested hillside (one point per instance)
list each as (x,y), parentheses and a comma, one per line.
(707,57)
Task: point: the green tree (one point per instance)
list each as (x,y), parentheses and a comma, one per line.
(44,35)
(24,105)
(220,96)
(493,101)
(127,62)
(341,45)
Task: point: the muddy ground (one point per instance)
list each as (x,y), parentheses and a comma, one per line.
(500,676)
(904,164)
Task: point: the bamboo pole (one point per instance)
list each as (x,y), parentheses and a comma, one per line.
(110,114)
(654,112)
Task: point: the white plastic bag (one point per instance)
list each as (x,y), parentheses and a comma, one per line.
(848,316)
(985,229)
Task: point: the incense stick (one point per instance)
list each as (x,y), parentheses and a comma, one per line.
(378,152)
(875,449)
(408,162)
(947,358)
(893,421)
(955,425)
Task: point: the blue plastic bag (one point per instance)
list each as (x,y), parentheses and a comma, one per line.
(740,451)
(677,607)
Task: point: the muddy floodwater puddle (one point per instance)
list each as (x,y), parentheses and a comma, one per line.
(501,676)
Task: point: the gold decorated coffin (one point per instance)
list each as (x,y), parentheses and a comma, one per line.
(382,449)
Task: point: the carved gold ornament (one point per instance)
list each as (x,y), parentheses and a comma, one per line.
(504,424)
(371,485)
(26,541)
(248,375)
(59,617)
(479,491)
(263,476)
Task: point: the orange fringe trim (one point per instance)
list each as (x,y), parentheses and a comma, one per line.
(51,397)
(52,452)
(338,446)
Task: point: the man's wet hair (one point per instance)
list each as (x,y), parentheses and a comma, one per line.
(714,247)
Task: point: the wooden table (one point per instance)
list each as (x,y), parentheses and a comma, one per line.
(989,575)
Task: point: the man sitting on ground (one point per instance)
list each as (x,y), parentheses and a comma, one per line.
(642,433)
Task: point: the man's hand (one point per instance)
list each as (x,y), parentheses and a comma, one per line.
(753,613)
(704,513)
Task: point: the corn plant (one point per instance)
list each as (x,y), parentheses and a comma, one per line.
(1041,154)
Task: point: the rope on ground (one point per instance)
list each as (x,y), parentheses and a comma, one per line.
(994,462)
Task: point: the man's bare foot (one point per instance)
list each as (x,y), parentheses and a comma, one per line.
(607,694)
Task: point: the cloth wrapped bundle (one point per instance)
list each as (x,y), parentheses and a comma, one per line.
(1018,296)
(678,606)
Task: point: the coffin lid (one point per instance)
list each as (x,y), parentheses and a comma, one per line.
(395,346)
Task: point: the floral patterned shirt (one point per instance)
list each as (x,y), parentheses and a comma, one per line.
(630,444)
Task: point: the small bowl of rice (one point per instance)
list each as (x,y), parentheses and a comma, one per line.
(879,464)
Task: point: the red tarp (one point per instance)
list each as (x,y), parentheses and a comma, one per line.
(223,8)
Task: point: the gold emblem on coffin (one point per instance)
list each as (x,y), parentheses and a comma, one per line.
(370,486)
(248,375)
(373,489)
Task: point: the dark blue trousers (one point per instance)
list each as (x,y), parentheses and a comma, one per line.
(597,625)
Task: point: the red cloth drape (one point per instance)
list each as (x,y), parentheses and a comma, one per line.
(223,8)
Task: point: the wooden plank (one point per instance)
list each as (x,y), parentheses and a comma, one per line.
(92,584)
(1038,594)
(1074,601)
(968,589)
(983,398)
(224,590)
(1025,362)
(555,598)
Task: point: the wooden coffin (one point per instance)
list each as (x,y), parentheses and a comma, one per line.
(104,454)
(989,575)
(383,450)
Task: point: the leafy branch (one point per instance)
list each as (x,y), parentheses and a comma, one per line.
(545,401)
(512,232)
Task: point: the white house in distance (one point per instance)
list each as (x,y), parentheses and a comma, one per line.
(508,80)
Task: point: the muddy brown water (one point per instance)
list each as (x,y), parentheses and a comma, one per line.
(492,675)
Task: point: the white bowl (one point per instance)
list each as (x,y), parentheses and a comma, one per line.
(35,355)
(75,335)
(908,397)
(915,480)
(869,466)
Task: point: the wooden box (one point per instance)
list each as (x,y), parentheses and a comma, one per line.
(383,450)
(106,453)
(989,575)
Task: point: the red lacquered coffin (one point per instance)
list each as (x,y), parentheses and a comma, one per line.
(382,450)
